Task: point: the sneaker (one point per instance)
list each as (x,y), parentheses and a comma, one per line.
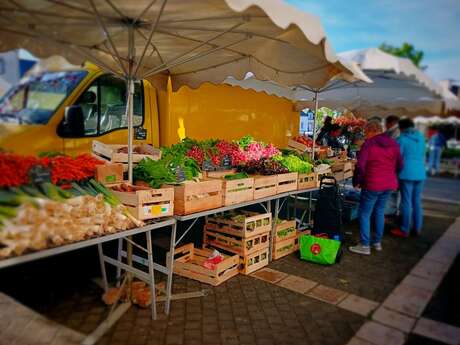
(360,249)
(399,233)
(377,246)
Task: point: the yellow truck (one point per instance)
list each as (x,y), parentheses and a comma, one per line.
(32,113)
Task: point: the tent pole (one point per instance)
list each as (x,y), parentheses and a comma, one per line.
(129,105)
(314,126)
(313,154)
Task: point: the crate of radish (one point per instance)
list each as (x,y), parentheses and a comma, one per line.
(143,202)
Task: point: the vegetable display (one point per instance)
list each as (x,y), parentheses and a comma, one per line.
(294,164)
(304,140)
(263,167)
(38,217)
(16,169)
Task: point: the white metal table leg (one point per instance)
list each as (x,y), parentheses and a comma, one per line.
(120,249)
(273,230)
(152,275)
(170,266)
(103,271)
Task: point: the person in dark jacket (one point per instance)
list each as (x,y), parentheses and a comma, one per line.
(411,178)
(324,130)
(379,160)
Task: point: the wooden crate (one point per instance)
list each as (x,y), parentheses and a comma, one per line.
(218,173)
(301,147)
(286,247)
(307,181)
(147,203)
(236,244)
(327,172)
(251,223)
(339,175)
(191,196)
(109,173)
(286,182)
(285,230)
(254,261)
(237,191)
(109,152)
(188,262)
(341,166)
(265,186)
(348,174)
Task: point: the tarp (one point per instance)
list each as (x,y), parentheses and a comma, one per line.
(193,41)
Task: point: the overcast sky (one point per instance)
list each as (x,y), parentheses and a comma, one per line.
(430,25)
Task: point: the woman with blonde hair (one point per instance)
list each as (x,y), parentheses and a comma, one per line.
(379,161)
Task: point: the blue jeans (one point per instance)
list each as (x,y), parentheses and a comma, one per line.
(391,207)
(372,205)
(411,205)
(434,159)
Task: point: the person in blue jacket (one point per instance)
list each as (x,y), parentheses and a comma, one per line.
(436,144)
(411,178)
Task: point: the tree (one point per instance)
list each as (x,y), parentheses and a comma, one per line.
(406,50)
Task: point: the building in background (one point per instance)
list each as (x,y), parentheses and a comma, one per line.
(13,65)
(452,86)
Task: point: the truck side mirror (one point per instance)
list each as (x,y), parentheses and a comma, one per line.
(73,125)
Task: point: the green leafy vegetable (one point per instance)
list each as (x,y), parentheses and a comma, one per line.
(236,176)
(294,164)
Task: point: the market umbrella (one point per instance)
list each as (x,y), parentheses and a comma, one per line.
(398,87)
(191,41)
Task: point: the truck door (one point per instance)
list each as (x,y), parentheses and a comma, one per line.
(104,110)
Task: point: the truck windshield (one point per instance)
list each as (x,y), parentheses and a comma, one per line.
(35,99)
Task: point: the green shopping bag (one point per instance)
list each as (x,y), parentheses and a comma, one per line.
(319,249)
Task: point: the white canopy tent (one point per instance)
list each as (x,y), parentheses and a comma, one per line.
(191,41)
(398,87)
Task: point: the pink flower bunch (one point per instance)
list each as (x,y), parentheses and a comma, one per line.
(254,152)
(269,151)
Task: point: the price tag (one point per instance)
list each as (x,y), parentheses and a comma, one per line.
(180,175)
(39,174)
(208,166)
(140,133)
(227,161)
(156,210)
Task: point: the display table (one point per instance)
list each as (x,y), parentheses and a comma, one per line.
(121,236)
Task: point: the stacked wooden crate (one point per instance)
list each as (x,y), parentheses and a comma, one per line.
(285,241)
(246,234)
(342,170)
(190,262)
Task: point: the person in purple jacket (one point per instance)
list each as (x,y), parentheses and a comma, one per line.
(379,161)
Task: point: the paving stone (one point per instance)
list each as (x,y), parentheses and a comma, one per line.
(327,294)
(430,269)
(408,300)
(420,283)
(269,275)
(359,305)
(358,341)
(394,319)
(379,334)
(438,331)
(297,284)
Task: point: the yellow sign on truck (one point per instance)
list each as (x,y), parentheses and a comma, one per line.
(66,110)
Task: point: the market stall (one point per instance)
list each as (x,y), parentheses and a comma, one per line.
(154,40)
